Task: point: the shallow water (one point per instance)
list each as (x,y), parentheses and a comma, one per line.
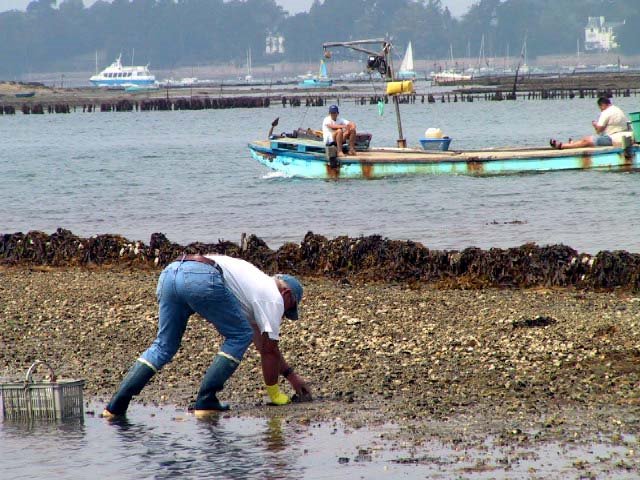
(168,443)
(189,175)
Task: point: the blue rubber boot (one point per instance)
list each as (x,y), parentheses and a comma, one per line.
(132,384)
(219,372)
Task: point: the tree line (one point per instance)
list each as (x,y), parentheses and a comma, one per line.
(66,35)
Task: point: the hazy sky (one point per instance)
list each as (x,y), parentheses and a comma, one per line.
(457,7)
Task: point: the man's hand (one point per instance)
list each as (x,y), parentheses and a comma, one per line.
(303,392)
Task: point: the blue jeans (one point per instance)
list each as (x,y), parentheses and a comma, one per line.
(185,288)
(602,141)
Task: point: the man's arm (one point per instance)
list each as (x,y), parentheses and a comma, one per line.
(598,128)
(337,126)
(274,364)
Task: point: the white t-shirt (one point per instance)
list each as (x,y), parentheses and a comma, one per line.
(613,119)
(327,133)
(256,291)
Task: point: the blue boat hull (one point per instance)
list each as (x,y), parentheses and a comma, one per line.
(121,82)
(313,83)
(307,159)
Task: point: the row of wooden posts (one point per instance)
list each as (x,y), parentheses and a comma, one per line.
(205,103)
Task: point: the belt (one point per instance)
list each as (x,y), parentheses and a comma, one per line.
(198,258)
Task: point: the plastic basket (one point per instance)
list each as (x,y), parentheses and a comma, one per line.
(48,400)
(435,143)
(634,116)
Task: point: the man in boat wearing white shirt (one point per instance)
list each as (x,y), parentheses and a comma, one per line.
(611,126)
(243,304)
(339,130)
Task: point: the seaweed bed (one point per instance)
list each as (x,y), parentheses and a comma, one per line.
(389,331)
(364,258)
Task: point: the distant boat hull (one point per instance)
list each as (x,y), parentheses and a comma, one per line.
(121,83)
(406,75)
(141,88)
(449,78)
(307,159)
(25,95)
(315,83)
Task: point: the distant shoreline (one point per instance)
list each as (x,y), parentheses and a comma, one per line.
(528,87)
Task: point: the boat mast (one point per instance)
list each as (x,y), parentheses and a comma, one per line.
(381,61)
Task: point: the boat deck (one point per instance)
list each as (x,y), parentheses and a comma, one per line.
(404,155)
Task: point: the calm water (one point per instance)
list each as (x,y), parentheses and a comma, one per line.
(167,443)
(190,176)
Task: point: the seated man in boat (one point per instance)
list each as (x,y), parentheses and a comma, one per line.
(339,130)
(610,127)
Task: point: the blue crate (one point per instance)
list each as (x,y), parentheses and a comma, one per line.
(435,143)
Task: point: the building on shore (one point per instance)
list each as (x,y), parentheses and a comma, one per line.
(600,35)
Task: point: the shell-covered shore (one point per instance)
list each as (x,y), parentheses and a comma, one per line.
(372,351)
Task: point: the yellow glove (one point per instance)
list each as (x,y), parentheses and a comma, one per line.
(276,396)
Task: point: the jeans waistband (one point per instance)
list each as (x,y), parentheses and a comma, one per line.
(200,259)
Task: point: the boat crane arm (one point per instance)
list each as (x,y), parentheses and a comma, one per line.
(380,61)
(354,45)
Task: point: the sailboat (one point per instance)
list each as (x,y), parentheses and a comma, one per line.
(523,67)
(322,80)
(449,76)
(406,71)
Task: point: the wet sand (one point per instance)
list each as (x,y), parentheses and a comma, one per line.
(523,365)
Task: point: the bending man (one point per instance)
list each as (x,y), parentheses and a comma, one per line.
(242,303)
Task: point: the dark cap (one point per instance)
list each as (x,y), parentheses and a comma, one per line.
(333,109)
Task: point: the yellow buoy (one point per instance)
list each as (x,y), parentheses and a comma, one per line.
(395,88)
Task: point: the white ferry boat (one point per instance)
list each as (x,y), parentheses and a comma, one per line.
(117,75)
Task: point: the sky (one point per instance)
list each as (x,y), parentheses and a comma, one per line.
(457,7)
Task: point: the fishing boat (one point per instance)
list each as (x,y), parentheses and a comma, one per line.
(25,94)
(305,158)
(303,153)
(406,71)
(118,75)
(321,80)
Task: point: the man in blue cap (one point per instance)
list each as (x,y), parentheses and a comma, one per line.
(242,303)
(339,130)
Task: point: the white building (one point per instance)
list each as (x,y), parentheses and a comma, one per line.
(600,36)
(274,44)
